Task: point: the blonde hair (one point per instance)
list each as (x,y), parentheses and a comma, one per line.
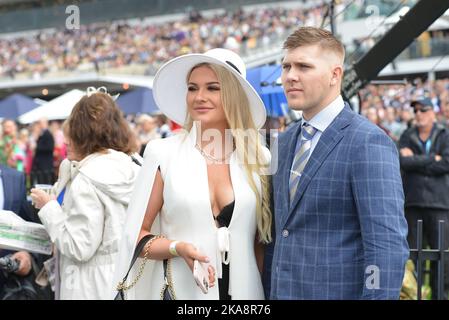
(238,115)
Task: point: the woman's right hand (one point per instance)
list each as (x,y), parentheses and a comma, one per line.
(40,198)
(189,253)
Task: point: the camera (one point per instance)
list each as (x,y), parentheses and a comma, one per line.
(8,264)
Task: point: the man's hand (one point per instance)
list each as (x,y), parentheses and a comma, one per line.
(25,262)
(406,152)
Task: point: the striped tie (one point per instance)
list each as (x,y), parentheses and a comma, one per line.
(302,154)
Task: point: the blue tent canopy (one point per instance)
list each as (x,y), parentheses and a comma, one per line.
(266,81)
(138,101)
(15,105)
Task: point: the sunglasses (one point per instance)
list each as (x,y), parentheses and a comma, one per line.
(423,109)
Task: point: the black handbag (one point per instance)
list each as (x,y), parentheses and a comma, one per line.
(121,287)
(167,292)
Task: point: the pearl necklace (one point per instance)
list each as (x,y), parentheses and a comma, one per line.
(212,158)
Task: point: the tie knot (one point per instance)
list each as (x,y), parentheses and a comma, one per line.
(308,131)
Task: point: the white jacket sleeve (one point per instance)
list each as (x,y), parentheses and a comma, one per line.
(154,157)
(76,231)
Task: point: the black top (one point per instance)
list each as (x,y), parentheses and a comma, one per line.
(224,219)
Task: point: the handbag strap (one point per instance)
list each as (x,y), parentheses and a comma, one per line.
(137,252)
(168,291)
(136,161)
(122,287)
(165,268)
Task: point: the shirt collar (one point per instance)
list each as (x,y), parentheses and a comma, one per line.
(325,117)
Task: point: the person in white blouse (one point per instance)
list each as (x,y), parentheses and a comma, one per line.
(204,190)
(86,210)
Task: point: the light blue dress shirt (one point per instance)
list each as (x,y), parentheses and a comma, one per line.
(323,119)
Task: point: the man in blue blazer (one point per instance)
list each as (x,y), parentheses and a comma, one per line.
(13,198)
(340,231)
(13,193)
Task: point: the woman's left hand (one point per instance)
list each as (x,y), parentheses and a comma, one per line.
(190,253)
(211,271)
(40,198)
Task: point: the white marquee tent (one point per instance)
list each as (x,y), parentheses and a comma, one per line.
(57,109)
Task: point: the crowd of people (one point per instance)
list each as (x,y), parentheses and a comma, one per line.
(324,221)
(113,45)
(38,149)
(31,149)
(389,106)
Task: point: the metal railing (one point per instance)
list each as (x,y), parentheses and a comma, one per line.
(421,255)
(419,49)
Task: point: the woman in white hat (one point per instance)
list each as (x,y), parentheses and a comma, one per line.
(203,190)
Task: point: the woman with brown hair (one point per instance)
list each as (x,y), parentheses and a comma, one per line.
(86,210)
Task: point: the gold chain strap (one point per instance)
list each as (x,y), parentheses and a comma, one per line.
(122,285)
(169,282)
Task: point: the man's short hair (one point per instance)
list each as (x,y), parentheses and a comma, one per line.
(305,36)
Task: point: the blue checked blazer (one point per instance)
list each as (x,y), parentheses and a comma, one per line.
(14,196)
(344,237)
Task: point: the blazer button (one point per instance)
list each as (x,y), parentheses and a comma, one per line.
(285,233)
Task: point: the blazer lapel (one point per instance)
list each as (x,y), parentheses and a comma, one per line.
(288,149)
(328,140)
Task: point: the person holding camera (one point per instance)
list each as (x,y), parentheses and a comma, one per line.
(13,198)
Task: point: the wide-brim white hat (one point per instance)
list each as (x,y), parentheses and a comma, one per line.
(170,83)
